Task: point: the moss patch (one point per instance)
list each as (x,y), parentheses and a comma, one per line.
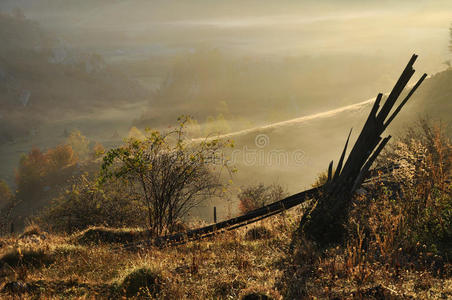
(142,281)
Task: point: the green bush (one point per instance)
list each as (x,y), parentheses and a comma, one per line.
(434,226)
(171,174)
(424,154)
(85,204)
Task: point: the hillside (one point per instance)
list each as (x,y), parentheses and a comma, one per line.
(292,162)
(42,78)
(397,246)
(249,150)
(250,262)
(434,98)
(397,230)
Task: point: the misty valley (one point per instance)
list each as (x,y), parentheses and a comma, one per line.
(225,150)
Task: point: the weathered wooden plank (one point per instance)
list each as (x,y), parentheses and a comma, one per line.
(325,226)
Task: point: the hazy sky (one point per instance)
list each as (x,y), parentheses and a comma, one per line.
(142,27)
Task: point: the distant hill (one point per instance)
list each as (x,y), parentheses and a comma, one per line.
(41,77)
(296,151)
(208,82)
(434,98)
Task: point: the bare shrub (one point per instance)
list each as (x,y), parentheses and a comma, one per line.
(255,196)
(171,174)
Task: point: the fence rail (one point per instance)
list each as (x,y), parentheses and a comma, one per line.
(246,219)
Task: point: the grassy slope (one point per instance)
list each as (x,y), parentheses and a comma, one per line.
(225,267)
(218,267)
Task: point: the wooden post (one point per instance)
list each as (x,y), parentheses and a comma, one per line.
(324,224)
(215,214)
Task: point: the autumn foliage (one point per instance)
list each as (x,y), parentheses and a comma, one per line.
(39,171)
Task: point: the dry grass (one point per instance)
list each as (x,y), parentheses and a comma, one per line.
(397,247)
(30,230)
(102,235)
(228,266)
(398,244)
(353,272)
(223,267)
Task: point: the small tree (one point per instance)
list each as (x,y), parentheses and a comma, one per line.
(259,195)
(5,193)
(30,174)
(79,143)
(60,157)
(38,170)
(172,174)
